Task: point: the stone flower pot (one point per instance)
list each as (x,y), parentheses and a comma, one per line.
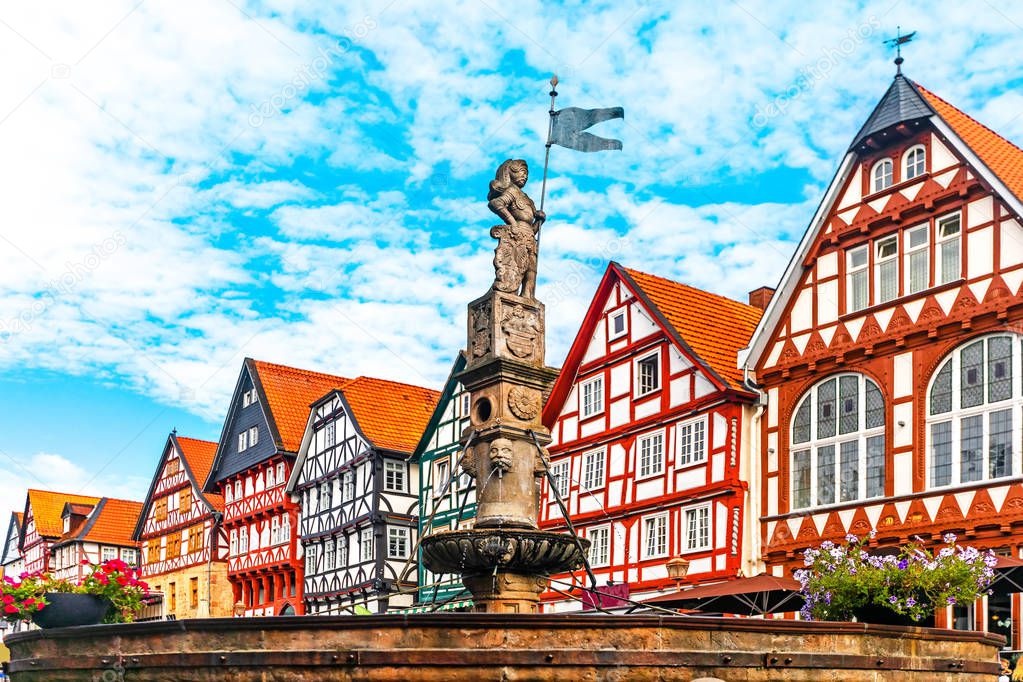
(64,610)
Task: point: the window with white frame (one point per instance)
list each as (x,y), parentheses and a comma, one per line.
(328,554)
(442,471)
(691,441)
(366,545)
(234,542)
(593,470)
(650,453)
(591,398)
(237,490)
(600,545)
(886,269)
(342,551)
(465,404)
(838,448)
(253,436)
(330,434)
(394,476)
(310,559)
(129,556)
(246,398)
(270,482)
(655,536)
(325,495)
(242,441)
(616,327)
(243,540)
(974,416)
(280,472)
(108,553)
(275,530)
(228,494)
(857,278)
(285,528)
(696,528)
(918,259)
(560,474)
(947,259)
(348,486)
(648,374)
(881,176)
(397,542)
(914,162)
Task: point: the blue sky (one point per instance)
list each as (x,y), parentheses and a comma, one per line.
(187,184)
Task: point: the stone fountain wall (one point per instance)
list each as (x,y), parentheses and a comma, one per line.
(482,647)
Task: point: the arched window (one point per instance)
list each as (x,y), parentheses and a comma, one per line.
(881,176)
(973,412)
(913,162)
(838,443)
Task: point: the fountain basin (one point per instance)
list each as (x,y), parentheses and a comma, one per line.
(479,551)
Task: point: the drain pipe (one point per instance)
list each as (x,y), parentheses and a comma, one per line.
(755,563)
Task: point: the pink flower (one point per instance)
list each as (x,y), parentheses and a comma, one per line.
(8,599)
(11,608)
(28,602)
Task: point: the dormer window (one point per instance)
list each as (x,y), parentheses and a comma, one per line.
(881,176)
(914,162)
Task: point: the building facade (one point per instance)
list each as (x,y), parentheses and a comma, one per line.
(261,436)
(44,525)
(94,534)
(358,493)
(447,495)
(11,563)
(649,419)
(891,355)
(184,547)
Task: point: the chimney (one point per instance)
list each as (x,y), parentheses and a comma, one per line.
(759,298)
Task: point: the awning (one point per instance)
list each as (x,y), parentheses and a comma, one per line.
(430,608)
(1008,575)
(759,595)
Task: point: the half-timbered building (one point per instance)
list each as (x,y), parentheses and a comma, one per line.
(649,419)
(359,495)
(261,436)
(44,525)
(93,534)
(184,547)
(11,563)
(892,354)
(447,495)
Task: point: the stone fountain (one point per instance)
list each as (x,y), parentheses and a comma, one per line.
(505,560)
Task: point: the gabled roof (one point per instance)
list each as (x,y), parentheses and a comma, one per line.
(47,507)
(13,533)
(196,461)
(995,159)
(112,522)
(442,404)
(285,394)
(709,328)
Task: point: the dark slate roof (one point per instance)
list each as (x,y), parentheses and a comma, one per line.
(902,102)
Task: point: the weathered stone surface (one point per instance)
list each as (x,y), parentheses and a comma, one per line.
(456,646)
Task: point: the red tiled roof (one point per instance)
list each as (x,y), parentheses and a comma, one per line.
(199,455)
(716,328)
(289,393)
(391,415)
(47,507)
(1002,157)
(114,523)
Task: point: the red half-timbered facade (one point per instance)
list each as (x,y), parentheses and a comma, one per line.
(184,547)
(43,525)
(93,534)
(891,355)
(261,437)
(649,423)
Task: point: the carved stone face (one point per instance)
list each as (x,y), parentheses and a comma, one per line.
(501,454)
(519,175)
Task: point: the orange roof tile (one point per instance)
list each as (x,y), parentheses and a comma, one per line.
(113,524)
(47,507)
(199,455)
(715,327)
(391,415)
(289,393)
(1002,157)
(20,518)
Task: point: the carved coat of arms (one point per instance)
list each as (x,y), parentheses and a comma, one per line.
(521,329)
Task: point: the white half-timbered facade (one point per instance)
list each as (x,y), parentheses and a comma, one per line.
(650,450)
(359,495)
(94,534)
(11,562)
(43,525)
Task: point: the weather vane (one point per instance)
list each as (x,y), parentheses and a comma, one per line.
(897,42)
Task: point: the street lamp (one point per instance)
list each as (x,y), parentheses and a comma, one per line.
(677,569)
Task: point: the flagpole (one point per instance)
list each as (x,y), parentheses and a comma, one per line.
(550,132)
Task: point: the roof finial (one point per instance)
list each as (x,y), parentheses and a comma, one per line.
(897,42)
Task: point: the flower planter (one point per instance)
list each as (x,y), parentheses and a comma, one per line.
(65,609)
(879,615)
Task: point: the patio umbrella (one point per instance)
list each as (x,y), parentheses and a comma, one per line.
(759,595)
(1008,575)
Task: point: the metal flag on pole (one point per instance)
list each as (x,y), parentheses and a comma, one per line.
(897,42)
(567,128)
